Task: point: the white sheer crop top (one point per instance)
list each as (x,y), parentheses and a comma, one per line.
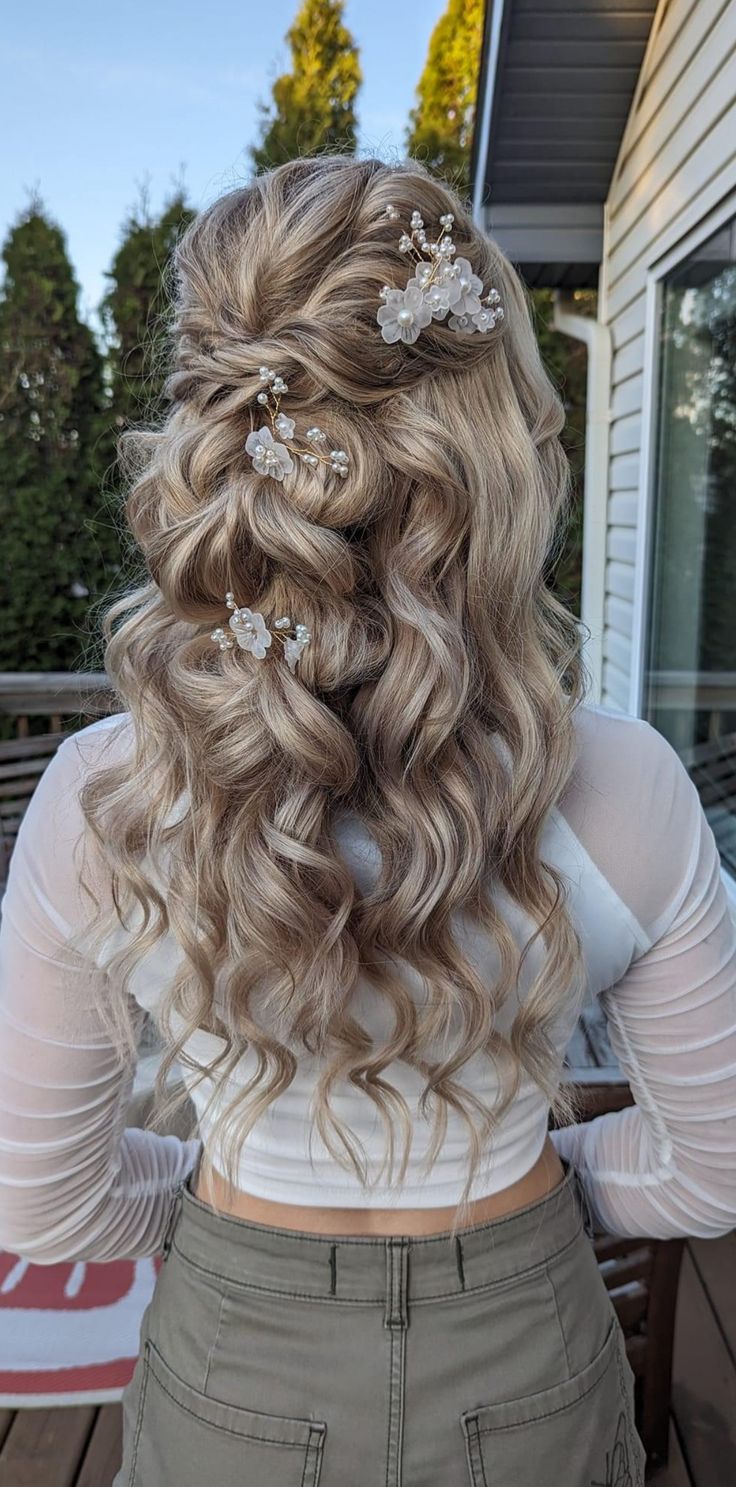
(648,899)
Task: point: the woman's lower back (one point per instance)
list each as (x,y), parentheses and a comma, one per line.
(210,1187)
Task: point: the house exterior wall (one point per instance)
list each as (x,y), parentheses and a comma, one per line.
(676,165)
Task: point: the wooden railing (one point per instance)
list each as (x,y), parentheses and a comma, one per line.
(53,695)
(24,753)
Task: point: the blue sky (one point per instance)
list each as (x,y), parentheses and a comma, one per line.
(96,101)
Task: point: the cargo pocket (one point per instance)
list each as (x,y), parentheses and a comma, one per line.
(183,1437)
(580,1431)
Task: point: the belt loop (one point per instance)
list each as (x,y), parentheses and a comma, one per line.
(171,1221)
(397,1275)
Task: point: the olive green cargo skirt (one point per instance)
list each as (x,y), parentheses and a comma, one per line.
(276,1358)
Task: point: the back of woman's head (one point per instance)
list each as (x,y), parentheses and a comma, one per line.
(435,698)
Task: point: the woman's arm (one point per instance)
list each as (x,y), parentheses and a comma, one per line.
(666,1166)
(74,1183)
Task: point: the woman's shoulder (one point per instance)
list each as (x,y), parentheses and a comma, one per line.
(106,740)
(621,756)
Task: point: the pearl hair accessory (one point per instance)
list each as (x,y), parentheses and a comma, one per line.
(252,634)
(273,458)
(438,286)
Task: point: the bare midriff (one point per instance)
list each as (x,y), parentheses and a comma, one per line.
(211,1188)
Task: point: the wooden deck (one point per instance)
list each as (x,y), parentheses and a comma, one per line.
(81,1446)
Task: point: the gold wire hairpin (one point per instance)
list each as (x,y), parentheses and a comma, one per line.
(273,458)
(251,633)
(437,286)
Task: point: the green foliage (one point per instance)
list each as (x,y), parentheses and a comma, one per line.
(59,545)
(313,105)
(566,362)
(441,122)
(135,309)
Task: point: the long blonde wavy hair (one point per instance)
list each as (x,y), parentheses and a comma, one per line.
(423,578)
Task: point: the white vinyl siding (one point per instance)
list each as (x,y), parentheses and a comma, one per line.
(676,163)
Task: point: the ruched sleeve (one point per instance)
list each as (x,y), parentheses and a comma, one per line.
(75,1184)
(665,1166)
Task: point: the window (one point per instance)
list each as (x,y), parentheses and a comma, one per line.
(690,670)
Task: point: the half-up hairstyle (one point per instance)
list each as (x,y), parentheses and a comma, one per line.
(434,701)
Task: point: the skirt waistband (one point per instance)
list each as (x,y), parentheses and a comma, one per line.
(385,1268)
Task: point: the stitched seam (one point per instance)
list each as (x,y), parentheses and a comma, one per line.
(237,1286)
(211,1352)
(312,1461)
(139,1420)
(559,1323)
(392,1344)
(547,1415)
(241,1435)
(478,1458)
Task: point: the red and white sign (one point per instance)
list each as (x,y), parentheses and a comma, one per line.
(69,1333)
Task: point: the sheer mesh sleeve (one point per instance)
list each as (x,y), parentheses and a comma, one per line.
(665,1166)
(74,1183)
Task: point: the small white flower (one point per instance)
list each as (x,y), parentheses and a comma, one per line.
(485,319)
(269,458)
(461,322)
(251,632)
(284,425)
(293,650)
(471,286)
(439,297)
(404,314)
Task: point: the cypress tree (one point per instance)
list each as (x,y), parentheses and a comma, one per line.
(135,309)
(59,549)
(313,105)
(441,122)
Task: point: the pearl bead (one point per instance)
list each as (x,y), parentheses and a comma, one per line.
(263,397)
(405,317)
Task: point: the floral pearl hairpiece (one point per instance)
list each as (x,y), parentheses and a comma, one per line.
(251,633)
(274,458)
(438,286)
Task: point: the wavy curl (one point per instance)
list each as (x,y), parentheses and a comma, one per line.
(422,577)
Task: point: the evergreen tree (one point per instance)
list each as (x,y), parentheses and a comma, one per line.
(135,310)
(441,122)
(59,548)
(440,134)
(313,105)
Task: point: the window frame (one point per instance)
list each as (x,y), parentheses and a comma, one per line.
(657,271)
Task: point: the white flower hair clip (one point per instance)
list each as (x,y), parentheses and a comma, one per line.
(251,633)
(438,286)
(275,459)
